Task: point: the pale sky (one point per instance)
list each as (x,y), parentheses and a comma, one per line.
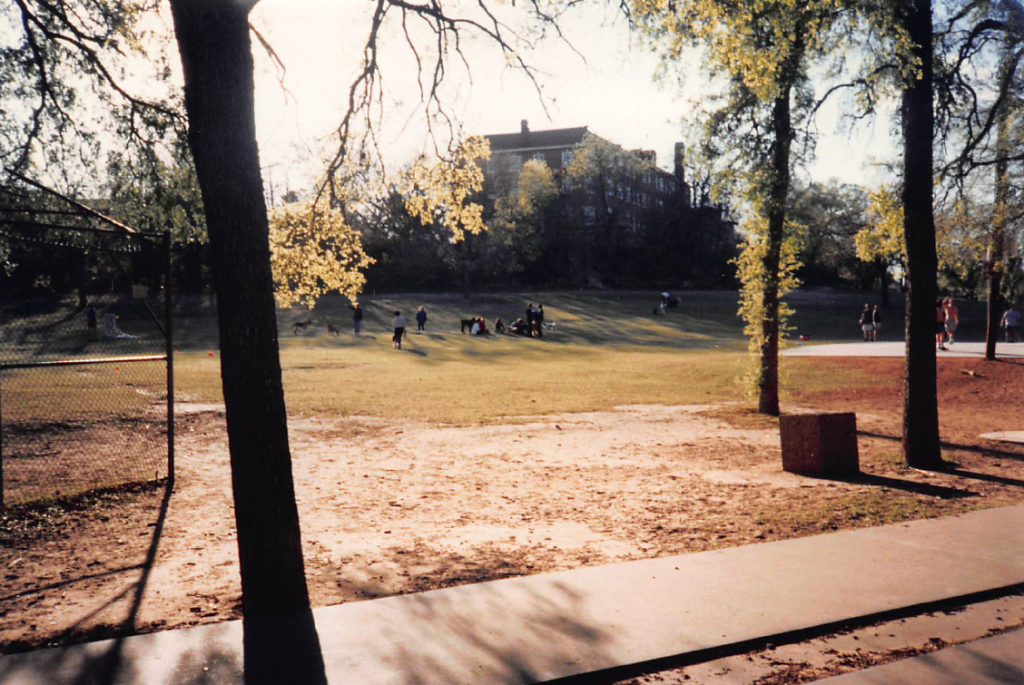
(613,92)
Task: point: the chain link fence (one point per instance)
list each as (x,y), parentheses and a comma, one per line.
(86,377)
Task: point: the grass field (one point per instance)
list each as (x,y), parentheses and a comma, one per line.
(606,349)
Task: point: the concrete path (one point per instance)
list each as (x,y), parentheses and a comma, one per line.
(993,661)
(1016,437)
(898,349)
(549,626)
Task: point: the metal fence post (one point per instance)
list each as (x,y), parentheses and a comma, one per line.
(169,329)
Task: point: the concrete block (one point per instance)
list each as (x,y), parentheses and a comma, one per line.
(820,444)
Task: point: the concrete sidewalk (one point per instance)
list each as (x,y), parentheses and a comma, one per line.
(993,661)
(973,350)
(558,625)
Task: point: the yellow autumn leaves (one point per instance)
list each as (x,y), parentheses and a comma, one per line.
(443,191)
(314,251)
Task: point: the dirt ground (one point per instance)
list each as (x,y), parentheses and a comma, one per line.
(396,507)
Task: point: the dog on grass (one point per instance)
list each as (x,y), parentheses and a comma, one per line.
(467,324)
(332,329)
(301,326)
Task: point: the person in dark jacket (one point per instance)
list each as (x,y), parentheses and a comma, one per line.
(421,319)
(357,316)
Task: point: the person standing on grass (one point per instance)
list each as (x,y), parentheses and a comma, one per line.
(357,316)
(866,327)
(529,319)
(399,324)
(1011,324)
(940,324)
(952,318)
(538,319)
(876,323)
(92,320)
(421,319)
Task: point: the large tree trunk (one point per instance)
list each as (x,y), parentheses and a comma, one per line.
(213,39)
(920,404)
(768,378)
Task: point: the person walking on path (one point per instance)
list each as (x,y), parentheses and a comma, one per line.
(399,324)
(940,325)
(357,316)
(421,319)
(952,318)
(866,327)
(876,323)
(530,314)
(1011,324)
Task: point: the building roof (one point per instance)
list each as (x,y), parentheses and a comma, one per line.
(556,137)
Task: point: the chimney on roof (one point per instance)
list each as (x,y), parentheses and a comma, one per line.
(524,126)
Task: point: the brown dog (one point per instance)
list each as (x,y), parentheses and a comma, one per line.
(301,326)
(332,329)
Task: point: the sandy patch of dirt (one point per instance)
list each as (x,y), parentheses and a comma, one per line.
(393,507)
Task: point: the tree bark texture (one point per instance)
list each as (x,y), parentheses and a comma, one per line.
(920,403)
(778,195)
(996,249)
(213,39)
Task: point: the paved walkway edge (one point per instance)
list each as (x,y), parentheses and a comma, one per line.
(600,619)
(995,660)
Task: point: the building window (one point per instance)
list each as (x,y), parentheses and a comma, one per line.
(539,157)
(566,158)
(515,163)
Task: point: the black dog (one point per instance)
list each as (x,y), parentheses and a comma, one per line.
(467,324)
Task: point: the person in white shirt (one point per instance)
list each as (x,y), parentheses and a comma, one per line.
(399,324)
(1011,324)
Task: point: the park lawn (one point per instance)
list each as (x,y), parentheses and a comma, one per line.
(605,350)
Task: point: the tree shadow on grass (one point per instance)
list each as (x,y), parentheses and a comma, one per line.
(975,449)
(911,486)
(915,487)
(102,663)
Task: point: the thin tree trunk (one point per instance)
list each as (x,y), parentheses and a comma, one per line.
(466,264)
(768,380)
(883,277)
(213,39)
(996,247)
(920,403)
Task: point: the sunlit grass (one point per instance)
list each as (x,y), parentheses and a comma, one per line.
(605,350)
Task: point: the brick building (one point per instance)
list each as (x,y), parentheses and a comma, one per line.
(631,207)
(652,189)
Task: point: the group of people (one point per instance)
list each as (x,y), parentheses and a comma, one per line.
(399,324)
(870,323)
(668,301)
(533,326)
(947,319)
